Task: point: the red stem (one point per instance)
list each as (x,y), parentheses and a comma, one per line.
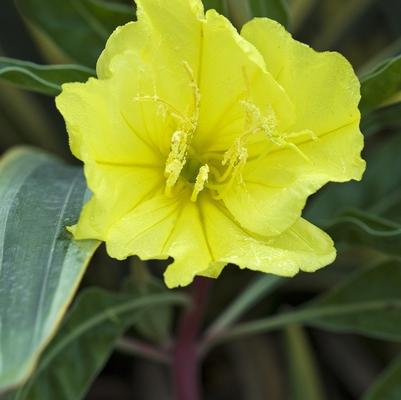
(185,356)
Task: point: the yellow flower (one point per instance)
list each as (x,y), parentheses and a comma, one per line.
(203,144)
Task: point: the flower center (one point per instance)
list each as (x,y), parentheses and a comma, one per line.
(217,171)
(184,168)
(191,170)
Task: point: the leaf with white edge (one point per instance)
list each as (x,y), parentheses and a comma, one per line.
(45,79)
(40,264)
(85,342)
(82,27)
(381,84)
(388,385)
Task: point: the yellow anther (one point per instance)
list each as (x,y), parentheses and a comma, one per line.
(235,154)
(176,159)
(236,157)
(201,180)
(256,121)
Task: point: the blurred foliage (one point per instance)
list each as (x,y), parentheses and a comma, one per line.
(357,300)
(240,11)
(92,22)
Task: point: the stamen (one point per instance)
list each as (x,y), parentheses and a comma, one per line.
(304,132)
(201,180)
(255,121)
(236,157)
(181,138)
(174,112)
(233,154)
(298,150)
(195,93)
(267,124)
(176,159)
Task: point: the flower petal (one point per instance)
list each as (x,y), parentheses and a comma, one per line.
(159,228)
(277,186)
(117,189)
(302,247)
(178,24)
(174,25)
(322,86)
(96,129)
(232,70)
(278,182)
(159,54)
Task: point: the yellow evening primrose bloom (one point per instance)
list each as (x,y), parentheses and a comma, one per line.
(203,144)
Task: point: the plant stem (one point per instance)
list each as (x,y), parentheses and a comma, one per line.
(185,355)
(145,350)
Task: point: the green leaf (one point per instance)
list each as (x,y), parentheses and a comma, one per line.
(377,287)
(382,119)
(360,228)
(45,79)
(40,265)
(85,342)
(239,12)
(367,303)
(379,188)
(381,84)
(388,385)
(305,382)
(78,27)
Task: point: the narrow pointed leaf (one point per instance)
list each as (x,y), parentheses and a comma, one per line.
(45,79)
(304,378)
(40,264)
